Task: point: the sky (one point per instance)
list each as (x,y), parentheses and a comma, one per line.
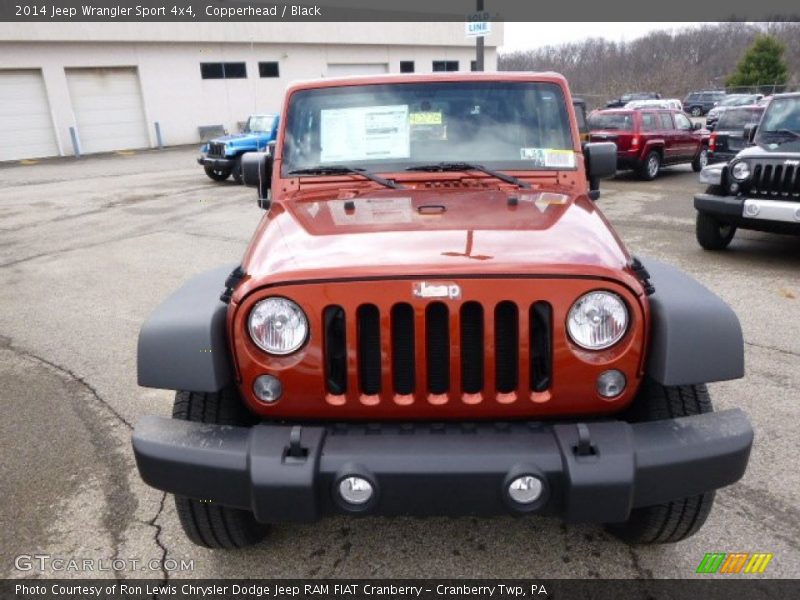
(523,36)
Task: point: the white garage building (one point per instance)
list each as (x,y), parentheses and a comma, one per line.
(116,86)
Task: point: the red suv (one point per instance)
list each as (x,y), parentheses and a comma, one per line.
(647,139)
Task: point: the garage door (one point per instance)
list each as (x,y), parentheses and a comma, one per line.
(108,109)
(26,124)
(345,69)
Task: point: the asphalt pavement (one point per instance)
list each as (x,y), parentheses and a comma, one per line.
(89,247)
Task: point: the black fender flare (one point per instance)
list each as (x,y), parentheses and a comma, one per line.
(183,345)
(695,337)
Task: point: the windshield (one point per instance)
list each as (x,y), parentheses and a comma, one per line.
(260,123)
(599,121)
(391,127)
(737,118)
(738,100)
(783,113)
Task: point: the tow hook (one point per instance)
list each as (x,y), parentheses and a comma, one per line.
(584,447)
(294,453)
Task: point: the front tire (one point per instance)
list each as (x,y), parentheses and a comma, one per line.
(236,173)
(679,519)
(217,174)
(204,523)
(711,233)
(651,166)
(701,160)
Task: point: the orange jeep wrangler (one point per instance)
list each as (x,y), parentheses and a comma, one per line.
(434,318)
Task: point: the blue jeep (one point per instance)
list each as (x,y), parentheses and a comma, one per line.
(222,156)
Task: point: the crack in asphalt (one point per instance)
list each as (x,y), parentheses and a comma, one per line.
(124,508)
(157,539)
(7,342)
(122,203)
(755,502)
(773,348)
(637,565)
(211,236)
(58,251)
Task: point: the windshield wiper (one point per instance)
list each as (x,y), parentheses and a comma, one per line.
(464,166)
(345,170)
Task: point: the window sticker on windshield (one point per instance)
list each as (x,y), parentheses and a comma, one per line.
(535,155)
(364,133)
(559,158)
(547,157)
(425,118)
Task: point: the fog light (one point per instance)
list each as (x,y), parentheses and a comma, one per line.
(750,209)
(355,490)
(610,383)
(525,489)
(267,388)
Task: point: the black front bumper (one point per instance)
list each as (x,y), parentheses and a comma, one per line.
(729,207)
(729,210)
(216,163)
(598,475)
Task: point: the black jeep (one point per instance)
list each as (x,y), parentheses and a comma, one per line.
(760,188)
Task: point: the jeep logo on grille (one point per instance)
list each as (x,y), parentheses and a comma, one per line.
(791,163)
(437,289)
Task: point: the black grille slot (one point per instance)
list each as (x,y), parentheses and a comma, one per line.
(437,346)
(758,171)
(787,185)
(216,149)
(774,180)
(369,349)
(506,343)
(766,180)
(472,347)
(541,340)
(403,371)
(335,348)
(777,179)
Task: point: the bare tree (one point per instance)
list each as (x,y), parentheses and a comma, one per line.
(669,62)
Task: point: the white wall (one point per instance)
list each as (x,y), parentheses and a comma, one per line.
(180,100)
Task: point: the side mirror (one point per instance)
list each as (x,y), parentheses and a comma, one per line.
(750,132)
(601,162)
(257,173)
(696,126)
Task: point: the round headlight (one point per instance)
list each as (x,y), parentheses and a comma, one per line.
(597,320)
(278,326)
(740,171)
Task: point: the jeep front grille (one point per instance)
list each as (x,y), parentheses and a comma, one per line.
(775,180)
(216,149)
(419,359)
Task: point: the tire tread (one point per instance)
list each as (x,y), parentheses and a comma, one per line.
(207,524)
(679,519)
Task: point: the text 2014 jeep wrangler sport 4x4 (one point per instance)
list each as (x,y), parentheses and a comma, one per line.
(434,317)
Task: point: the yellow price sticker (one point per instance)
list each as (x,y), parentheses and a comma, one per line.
(425,118)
